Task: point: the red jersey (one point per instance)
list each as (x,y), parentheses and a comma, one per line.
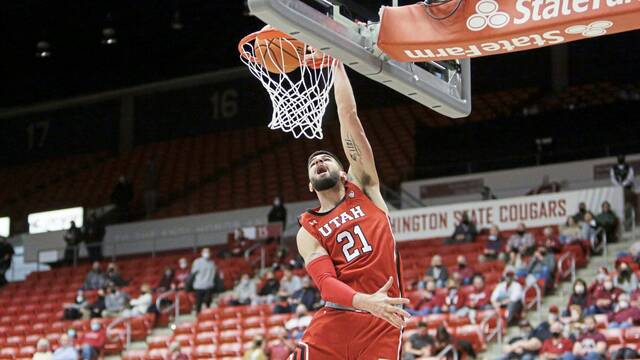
(357,235)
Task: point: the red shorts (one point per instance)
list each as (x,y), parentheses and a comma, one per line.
(339,334)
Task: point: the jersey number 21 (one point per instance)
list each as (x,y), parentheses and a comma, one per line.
(347,239)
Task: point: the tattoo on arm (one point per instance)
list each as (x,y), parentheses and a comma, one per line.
(352,148)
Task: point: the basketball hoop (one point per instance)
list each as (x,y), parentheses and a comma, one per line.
(297,78)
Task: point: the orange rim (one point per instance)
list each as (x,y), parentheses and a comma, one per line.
(275,34)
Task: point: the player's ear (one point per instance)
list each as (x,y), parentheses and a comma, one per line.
(344,176)
(310,187)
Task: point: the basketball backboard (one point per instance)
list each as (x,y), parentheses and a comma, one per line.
(444,86)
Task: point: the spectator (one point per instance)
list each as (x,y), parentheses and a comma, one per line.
(121,197)
(526,345)
(77,309)
(516,262)
(570,231)
(280,347)
(454,300)
(115,302)
(575,321)
(66,350)
(589,228)
(92,342)
(626,280)
(298,323)
(167,282)
(307,295)
(72,238)
(282,305)
(182,274)
(290,283)
(625,315)
(462,272)
(444,339)
(204,270)
(437,272)
(96,279)
(551,241)
(487,193)
(270,286)
(465,231)
(591,345)
(542,265)
(622,174)
(604,298)
(419,344)
(114,277)
(238,243)
(582,211)
(579,296)
(245,291)
(140,305)
(609,222)
(278,213)
(601,275)
(175,353)
(93,234)
(478,299)
(256,351)
(43,350)
(521,241)
(493,246)
(508,293)
(430,302)
(6,255)
(98,306)
(557,345)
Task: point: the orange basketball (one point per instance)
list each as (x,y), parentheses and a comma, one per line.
(279,55)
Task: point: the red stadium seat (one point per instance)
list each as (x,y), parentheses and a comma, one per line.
(137,354)
(185,340)
(157,354)
(206,338)
(205,351)
(614,336)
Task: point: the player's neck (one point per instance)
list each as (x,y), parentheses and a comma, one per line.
(330,198)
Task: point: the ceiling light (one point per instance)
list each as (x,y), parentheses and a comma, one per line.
(43,49)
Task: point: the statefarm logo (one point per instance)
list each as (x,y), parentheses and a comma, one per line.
(487,14)
(596,28)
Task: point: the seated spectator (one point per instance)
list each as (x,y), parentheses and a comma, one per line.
(570,231)
(245,291)
(97,307)
(465,231)
(175,353)
(114,302)
(591,345)
(66,350)
(437,272)
(290,283)
(114,277)
(508,294)
(182,274)
(256,350)
(551,241)
(625,315)
(609,222)
(281,346)
(542,265)
(478,299)
(444,339)
(43,350)
(454,300)
(601,275)
(430,302)
(493,246)
(167,282)
(271,285)
(92,342)
(557,345)
(96,279)
(462,271)
(589,228)
(626,280)
(140,305)
(238,243)
(307,295)
(419,344)
(282,305)
(582,211)
(298,323)
(574,321)
(579,296)
(77,309)
(604,298)
(521,241)
(515,261)
(525,346)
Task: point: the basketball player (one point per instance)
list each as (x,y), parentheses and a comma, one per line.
(349,250)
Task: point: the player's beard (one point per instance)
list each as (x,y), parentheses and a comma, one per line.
(326,182)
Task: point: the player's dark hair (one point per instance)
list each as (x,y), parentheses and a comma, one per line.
(325,152)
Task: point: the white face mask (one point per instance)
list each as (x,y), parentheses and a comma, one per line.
(552,318)
(206,255)
(608,285)
(493,237)
(183,265)
(623,304)
(579,289)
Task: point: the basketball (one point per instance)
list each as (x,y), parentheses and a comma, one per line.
(279,55)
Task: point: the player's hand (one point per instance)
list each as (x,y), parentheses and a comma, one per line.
(380,305)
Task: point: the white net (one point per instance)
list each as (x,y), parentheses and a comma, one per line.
(299,96)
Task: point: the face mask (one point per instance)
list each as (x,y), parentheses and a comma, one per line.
(556,334)
(462,265)
(521,232)
(493,237)
(71,333)
(608,285)
(95,327)
(623,304)
(183,265)
(79,299)
(552,318)
(579,289)
(206,255)
(601,276)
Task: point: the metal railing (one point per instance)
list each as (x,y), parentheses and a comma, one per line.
(571,270)
(263,254)
(497,332)
(175,306)
(127,328)
(537,300)
(447,350)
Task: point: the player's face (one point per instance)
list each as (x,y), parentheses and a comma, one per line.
(324,172)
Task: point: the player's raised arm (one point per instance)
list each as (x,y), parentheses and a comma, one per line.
(362,168)
(322,271)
